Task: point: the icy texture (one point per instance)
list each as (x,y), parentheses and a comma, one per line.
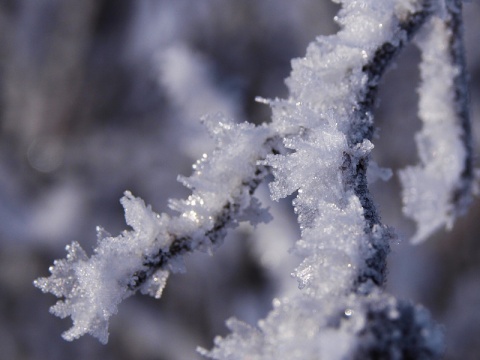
(377,327)
(326,127)
(329,209)
(91,288)
(430,187)
(291,332)
(341,310)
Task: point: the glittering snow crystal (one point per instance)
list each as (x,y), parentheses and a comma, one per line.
(92,288)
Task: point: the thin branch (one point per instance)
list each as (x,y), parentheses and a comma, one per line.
(462,196)
(222,187)
(182,245)
(362,127)
(440,187)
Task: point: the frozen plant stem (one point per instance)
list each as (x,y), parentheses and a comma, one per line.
(462,195)
(318,146)
(184,243)
(439,189)
(142,258)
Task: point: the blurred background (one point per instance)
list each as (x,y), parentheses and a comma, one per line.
(102,96)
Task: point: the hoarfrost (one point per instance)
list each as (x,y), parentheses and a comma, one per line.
(317,146)
(140,259)
(333,328)
(328,127)
(439,188)
(93,288)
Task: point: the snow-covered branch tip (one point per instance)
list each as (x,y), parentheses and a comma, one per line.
(141,259)
(326,128)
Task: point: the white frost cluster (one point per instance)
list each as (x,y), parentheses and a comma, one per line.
(330,218)
(91,288)
(331,327)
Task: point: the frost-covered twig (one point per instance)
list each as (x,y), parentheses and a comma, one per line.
(222,186)
(342,312)
(326,126)
(439,189)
